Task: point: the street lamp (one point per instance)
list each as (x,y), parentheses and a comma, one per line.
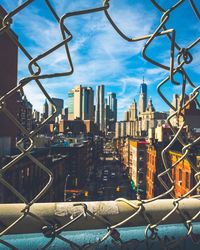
(65,187)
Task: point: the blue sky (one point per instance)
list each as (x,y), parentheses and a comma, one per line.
(99,54)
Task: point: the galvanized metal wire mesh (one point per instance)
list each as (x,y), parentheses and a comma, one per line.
(184,57)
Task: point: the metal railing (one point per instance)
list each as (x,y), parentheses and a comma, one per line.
(27,217)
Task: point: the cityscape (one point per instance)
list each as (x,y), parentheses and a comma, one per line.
(92,155)
(99,124)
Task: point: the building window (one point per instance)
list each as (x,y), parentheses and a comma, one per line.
(22,173)
(187,180)
(141,176)
(153,160)
(27,172)
(180,177)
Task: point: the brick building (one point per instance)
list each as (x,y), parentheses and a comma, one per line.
(138,164)
(183,174)
(75,160)
(154,167)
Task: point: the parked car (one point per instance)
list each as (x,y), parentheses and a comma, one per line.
(105,178)
(112,175)
(106,172)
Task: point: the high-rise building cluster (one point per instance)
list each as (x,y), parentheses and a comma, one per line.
(105,110)
(81,116)
(82,111)
(81,106)
(140,121)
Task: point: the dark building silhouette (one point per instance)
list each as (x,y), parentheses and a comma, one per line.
(45,110)
(8,80)
(24,112)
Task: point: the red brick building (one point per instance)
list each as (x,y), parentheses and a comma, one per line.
(183,174)
(138,164)
(154,167)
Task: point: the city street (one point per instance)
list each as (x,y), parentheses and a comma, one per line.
(111,180)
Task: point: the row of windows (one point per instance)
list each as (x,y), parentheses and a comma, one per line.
(182,177)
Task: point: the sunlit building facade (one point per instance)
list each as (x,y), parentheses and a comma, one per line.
(99,111)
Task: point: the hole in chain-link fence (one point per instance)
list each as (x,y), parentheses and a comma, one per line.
(30,218)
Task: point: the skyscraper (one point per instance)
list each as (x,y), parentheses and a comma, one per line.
(112,102)
(78,102)
(87,103)
(99,112)
(143,98)
(106,115)
(71,104)
(45,110)
(59,106)
(81,103)
(133,111)
(75,103)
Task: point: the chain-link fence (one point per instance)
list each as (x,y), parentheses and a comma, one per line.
(53,229)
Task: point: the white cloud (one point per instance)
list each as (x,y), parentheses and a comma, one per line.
(98,52)
(35,96)
(45,34)
(39,31)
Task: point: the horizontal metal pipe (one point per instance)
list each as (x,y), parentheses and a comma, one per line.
(105,213)
(131,238)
